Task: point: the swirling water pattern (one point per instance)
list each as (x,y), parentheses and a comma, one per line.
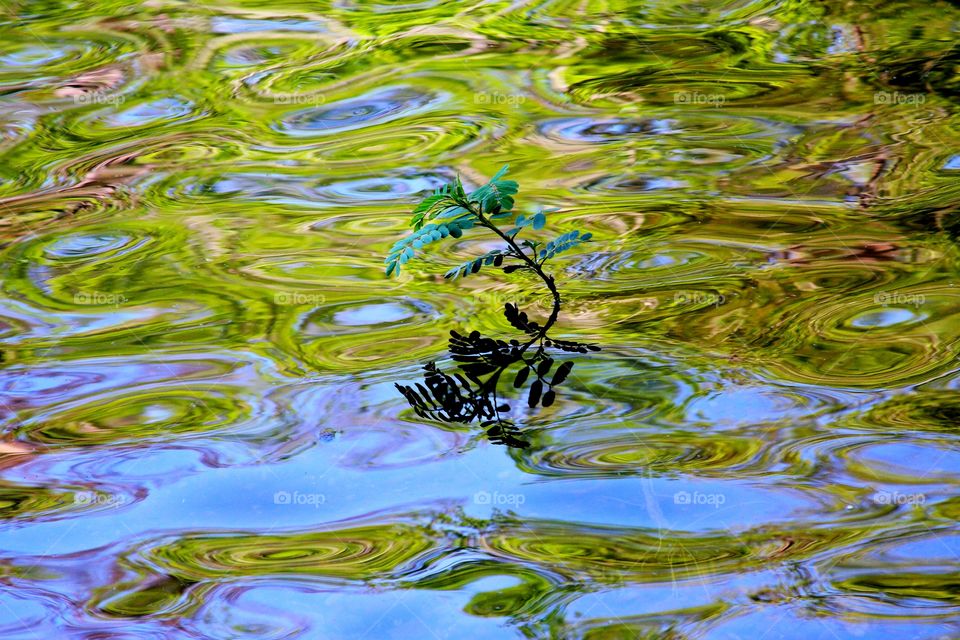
(201,435)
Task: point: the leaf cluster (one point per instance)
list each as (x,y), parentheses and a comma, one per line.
(470,394)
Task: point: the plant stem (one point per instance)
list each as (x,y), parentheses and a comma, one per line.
(491,383)
(532,264)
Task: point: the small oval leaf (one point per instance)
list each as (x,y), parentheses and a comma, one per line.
(562,372)
(521,377)
(544,367)
(535,389)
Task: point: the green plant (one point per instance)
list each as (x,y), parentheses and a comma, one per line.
(471,393)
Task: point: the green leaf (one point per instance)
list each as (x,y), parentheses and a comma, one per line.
(404,250)
(473,265)
(449,203)
(500,174)
(563,243)
(424,208)
(450,212)
(497,195)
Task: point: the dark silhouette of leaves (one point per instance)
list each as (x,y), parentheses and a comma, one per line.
(520,320)
(544,367)
(535,389)
(470,394)
(504,432)
(549,397)
(521,378)
(561,373)
(572,347)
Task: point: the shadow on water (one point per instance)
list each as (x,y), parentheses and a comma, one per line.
(471,393)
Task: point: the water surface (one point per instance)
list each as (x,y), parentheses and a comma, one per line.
(201,434)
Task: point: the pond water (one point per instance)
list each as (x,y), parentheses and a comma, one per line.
(202,438)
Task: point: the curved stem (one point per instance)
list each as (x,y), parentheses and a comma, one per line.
(490,385)
(537,268)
